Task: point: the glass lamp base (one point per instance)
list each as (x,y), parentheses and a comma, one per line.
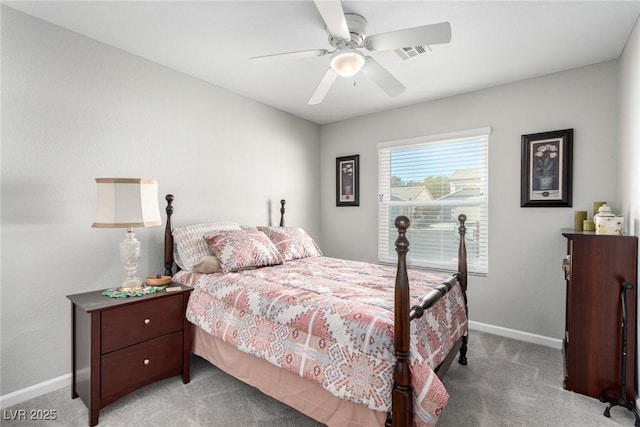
(130,249)
(131,284)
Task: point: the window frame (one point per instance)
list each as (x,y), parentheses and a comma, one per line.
(480,237)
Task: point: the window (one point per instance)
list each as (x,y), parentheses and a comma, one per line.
(432,180)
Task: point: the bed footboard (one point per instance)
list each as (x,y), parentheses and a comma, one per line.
(402,399)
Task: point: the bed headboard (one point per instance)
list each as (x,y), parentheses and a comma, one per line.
(168,235)
(168,238)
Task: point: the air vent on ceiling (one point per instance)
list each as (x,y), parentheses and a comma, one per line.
(409,52)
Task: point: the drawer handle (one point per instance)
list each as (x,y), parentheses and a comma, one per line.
(146,361)
(147,321)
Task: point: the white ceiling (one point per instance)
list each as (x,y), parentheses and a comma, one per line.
(492,43)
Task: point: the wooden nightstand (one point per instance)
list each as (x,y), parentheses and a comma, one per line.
(122,344)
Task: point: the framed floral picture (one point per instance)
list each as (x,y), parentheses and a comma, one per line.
(547,169)
(347,181)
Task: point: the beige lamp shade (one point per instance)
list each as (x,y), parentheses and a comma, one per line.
(127,203)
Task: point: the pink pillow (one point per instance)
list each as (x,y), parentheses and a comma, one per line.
(292,242)
(239,250)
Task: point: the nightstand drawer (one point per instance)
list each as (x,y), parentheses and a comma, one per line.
(141,364)
(135,323)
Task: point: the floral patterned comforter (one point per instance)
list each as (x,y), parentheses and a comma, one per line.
(331,321)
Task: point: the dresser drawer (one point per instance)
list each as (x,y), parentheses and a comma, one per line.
(134,323)
(136,366)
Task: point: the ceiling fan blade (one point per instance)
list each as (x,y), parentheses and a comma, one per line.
(417,36)
(333,16)
(288,55)
(323,87)
(380,76)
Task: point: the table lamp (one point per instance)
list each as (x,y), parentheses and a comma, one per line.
(128,203)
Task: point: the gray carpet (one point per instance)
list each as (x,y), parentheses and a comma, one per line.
(507,383)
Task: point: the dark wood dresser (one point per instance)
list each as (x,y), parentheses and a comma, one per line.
(599,265)
(122,344)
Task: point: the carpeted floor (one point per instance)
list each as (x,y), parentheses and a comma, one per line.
(507,383)
(514,383)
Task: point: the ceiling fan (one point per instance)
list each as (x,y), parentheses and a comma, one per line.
(347,36)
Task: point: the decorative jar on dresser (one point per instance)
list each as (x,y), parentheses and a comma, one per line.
(122,344)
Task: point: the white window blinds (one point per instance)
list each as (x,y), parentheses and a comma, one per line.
(432,180)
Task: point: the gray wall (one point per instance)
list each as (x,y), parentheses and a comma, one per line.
(630,132)
(524,289)
(630,138)
(74,109)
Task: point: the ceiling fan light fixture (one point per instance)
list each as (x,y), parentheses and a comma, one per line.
(347,63)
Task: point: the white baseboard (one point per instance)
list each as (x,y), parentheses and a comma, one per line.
(45,387)
(516,335)
(34,391)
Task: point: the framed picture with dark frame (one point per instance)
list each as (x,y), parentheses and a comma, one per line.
(348,181)
(547,169)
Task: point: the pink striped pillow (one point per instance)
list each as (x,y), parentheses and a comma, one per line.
(239,250)
(292,242)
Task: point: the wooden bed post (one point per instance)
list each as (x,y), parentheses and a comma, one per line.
(402,399)
(168,238)
(282,202)
(462,271)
